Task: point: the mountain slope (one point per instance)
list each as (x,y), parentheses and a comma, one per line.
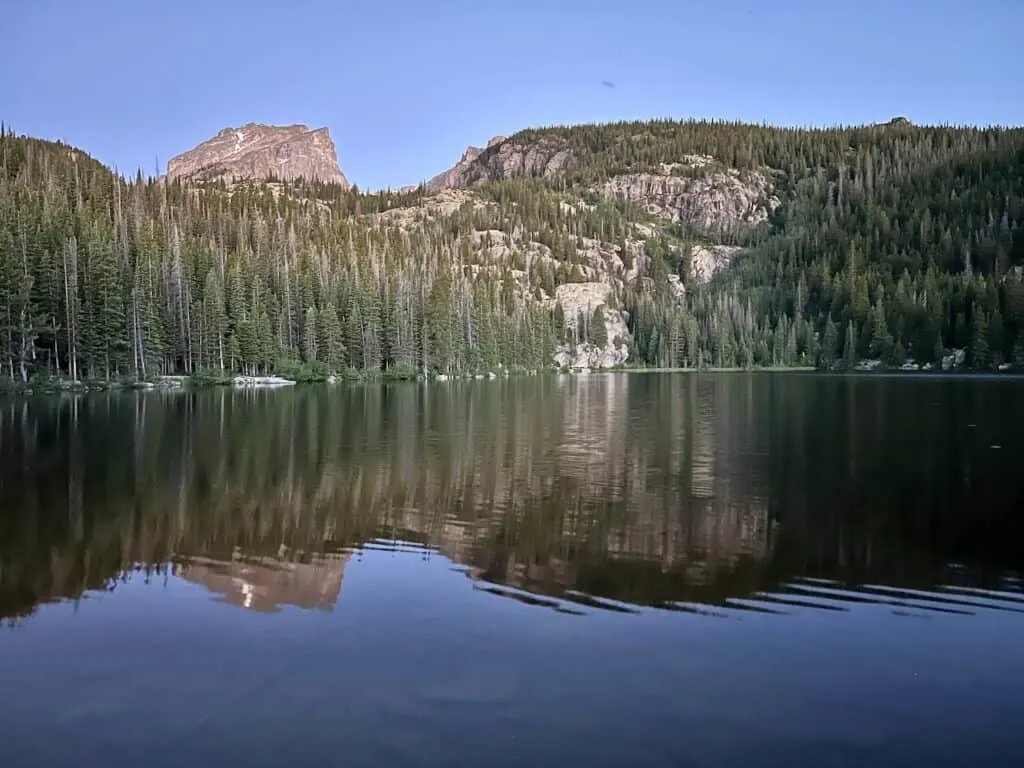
(453,178)
(659,243)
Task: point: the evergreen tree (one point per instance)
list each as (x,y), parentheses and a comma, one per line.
(979,349)
(829,345)
(881,338)
(850,347)
(310,339)
(330,343)
(996,338)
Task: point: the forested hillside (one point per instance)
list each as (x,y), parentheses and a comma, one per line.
(885,242)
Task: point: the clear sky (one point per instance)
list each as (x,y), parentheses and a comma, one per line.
(406,85)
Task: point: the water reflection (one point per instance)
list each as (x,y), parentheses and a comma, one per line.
(268,583)
(714,495)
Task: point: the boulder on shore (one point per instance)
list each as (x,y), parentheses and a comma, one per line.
(261,381)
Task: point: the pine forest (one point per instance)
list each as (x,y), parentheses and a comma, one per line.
(890,243)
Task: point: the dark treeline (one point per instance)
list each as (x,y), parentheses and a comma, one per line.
(893,242)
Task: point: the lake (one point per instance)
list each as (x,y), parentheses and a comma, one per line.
(624,569)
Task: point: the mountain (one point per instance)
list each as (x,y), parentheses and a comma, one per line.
(455,177)
(256,151)
(654,243)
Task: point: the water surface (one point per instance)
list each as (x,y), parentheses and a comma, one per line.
(605,570)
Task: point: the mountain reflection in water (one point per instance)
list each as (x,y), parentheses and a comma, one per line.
(266,583)
(712,495)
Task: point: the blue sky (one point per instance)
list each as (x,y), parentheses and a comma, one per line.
(406,85)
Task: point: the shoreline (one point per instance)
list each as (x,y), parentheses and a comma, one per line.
(182,383)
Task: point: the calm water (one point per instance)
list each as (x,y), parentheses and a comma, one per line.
(664,570)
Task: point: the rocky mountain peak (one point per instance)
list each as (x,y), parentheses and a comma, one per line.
(258,151)
(456,177)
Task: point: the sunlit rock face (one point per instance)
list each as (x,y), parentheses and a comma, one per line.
(255,151)
(504,159)
(708,200)
(581,300)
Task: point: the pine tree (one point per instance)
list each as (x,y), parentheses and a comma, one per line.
(439,321)
(850,347)
(1018,352)
(309,335)
(829,345)
(979,349)
(881,338)
(330,343)
(214,322)
(996,337)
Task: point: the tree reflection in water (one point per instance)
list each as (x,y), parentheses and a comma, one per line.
(607,491)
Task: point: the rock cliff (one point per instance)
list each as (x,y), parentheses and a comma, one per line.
(452,178)
(709,198)
(256,151)
(697,190)
(706,260)
(457,176)
(503,159)
(507,159)
(581,300)
(706,198)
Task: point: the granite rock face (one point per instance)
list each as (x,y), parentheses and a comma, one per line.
(712,201)
(455,177)
(509,159)
(256,151)
(584,298)
(451,179)
(697,190)
(706,260)
(502,159)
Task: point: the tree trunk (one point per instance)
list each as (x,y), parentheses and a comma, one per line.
(56,349)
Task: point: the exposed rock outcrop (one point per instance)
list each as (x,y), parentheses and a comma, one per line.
(697,190)
(712,201)
(256,151)
(509,159)
(578,299)
(503,159)
(455,177)
(262,381)
(430,208)
(706,260)
(602,268)
(451,179)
